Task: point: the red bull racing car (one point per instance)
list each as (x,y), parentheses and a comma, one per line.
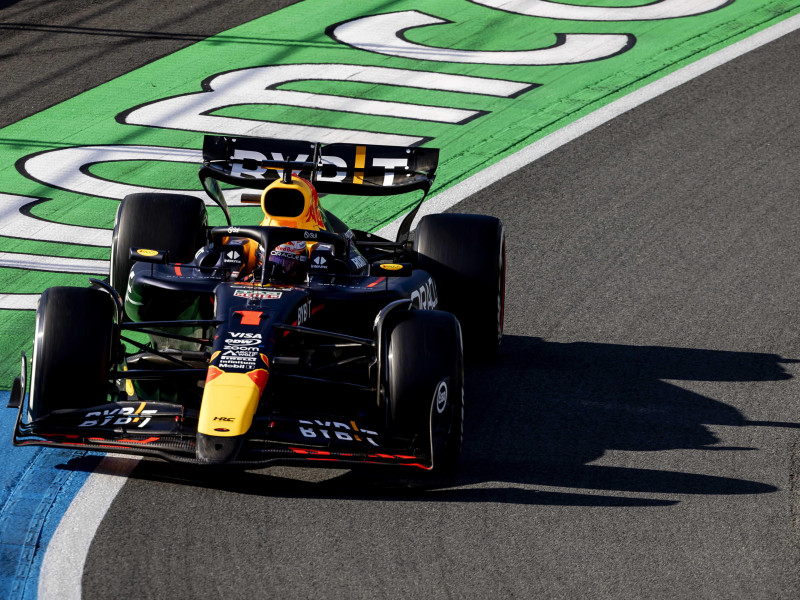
(297,340)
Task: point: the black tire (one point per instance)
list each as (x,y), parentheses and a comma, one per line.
(72,350)
(424,360)
(171,222)
(466,255)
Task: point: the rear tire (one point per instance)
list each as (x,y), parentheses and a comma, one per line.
(425,383)
(72,351)
(466,255)
(171,222)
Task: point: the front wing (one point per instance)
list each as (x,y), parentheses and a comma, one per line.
(168,431)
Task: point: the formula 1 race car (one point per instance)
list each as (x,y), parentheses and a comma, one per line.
(295,341)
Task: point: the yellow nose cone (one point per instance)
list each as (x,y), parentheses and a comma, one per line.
(230,401)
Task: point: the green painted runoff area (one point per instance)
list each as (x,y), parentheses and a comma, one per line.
(297,34)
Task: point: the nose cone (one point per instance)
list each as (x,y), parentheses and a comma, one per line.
(230,401)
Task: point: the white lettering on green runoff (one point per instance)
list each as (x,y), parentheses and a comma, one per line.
(660,9)
(384,34)
(193,112)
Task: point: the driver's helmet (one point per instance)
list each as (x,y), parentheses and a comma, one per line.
(291,259)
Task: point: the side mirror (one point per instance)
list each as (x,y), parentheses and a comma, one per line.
(211,186)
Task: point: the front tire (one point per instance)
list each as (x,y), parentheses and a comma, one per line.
(425,383)
(72,351)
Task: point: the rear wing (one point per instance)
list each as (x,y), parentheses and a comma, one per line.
(350,169)
(358,169)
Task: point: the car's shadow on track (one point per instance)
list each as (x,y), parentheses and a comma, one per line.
(538,414)
(544,410)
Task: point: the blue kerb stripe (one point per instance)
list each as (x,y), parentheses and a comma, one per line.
(36,488)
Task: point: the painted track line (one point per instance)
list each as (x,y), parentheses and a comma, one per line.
(66,554)
(19,301)
(62,568)
(57,264)
(505,167)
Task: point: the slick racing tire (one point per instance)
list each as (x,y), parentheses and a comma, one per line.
(466,255)
(425,383)
(72,350)
(158,221)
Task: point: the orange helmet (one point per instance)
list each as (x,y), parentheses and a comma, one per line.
(294,204)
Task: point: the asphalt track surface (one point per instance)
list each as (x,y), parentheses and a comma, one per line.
(638,435)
